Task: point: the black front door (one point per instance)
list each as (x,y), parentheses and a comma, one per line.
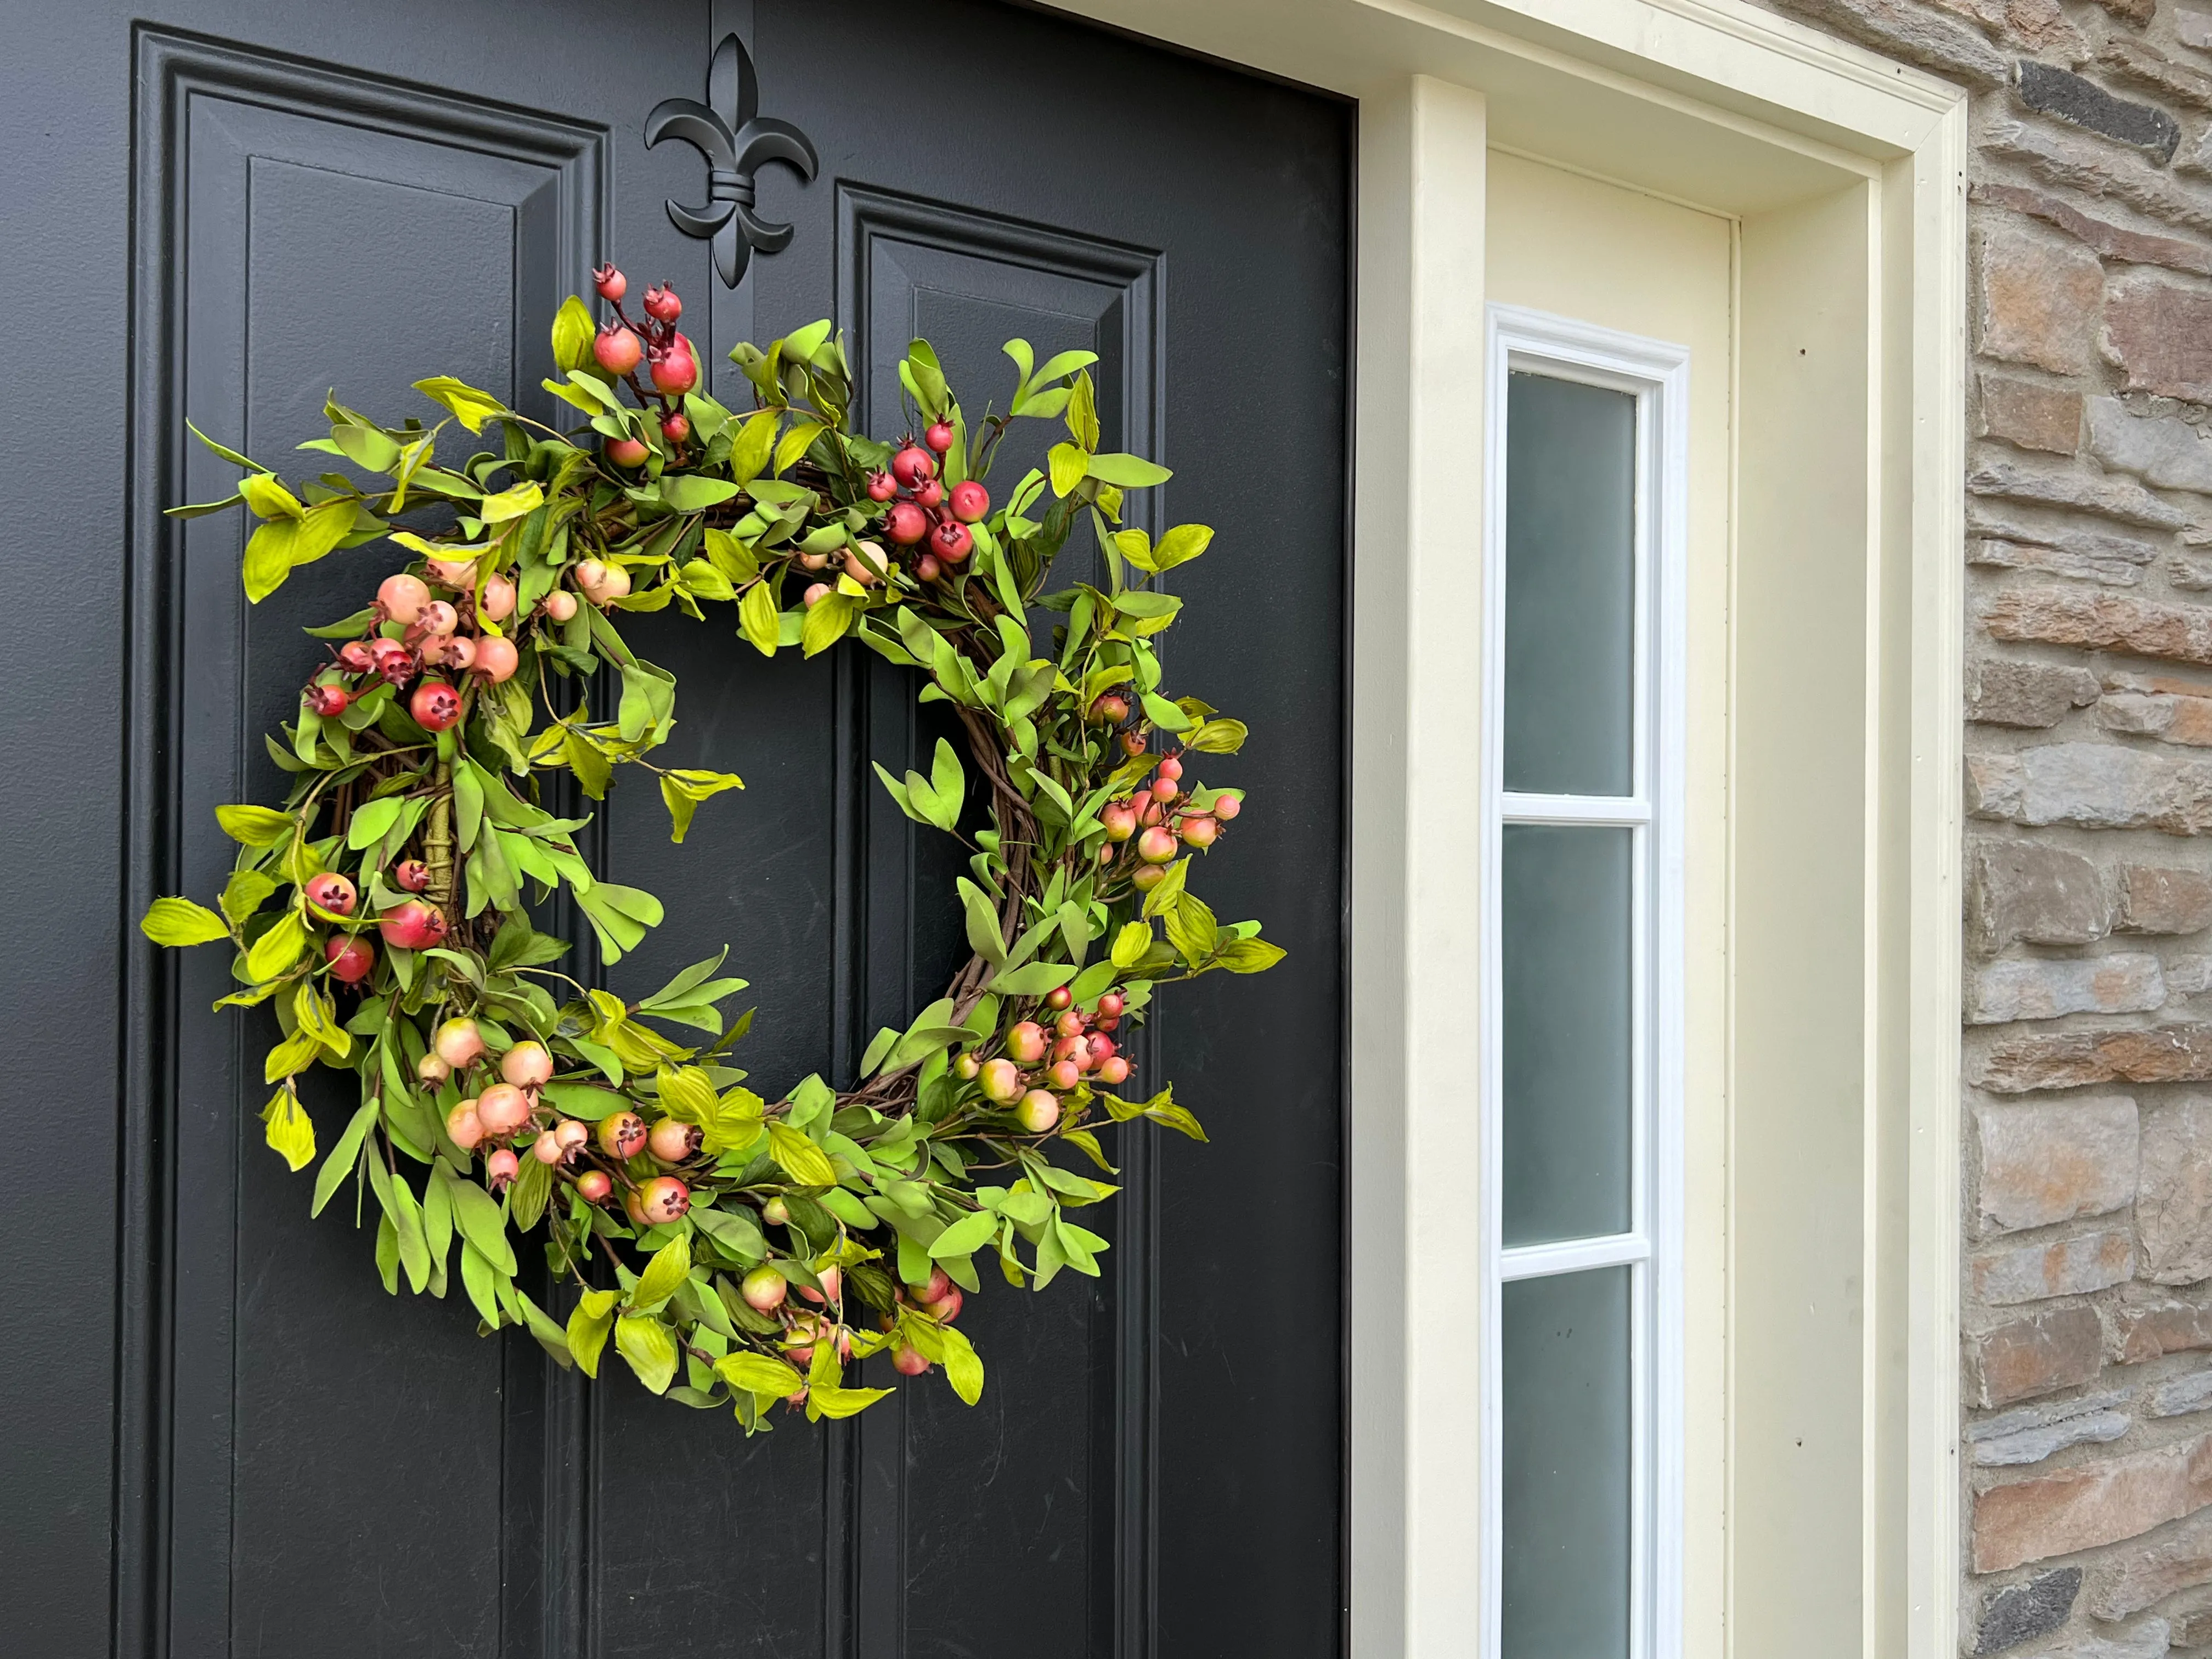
(222,1436)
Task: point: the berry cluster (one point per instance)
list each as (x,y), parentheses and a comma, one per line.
(1037,1062)
(671,364)
(1159,814)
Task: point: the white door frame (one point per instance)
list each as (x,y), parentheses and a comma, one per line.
(1843,172)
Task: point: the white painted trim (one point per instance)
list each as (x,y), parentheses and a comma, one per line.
(1656,373)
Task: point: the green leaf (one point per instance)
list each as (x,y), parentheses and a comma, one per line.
(290,1131)
(269,558)
(825,1400)
(589,1325)
(178,922)
(964,1236)
(795,443)
(470,407)
(755,441)
(230,455)
(827,621)
(1249,956)
(1191,928)
(670,1267)
(1165,714)
(573,333)
(477,1212)
(800,1158)
(650,1347)
(1033,979)
(756,1373)
(514,502)
(343,1156)
(1181,545)
(255,826)
(1068,466)
(1131,944)
(1127,471)
(964,1367)
(690,493)
(277,950)
(757,618)
(1222,737)
(982,924)
(683,790)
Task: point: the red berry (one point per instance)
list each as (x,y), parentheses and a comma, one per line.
(1069,1025)
(882,486)
(662,304)
(908,1362)
(611,282)
(763,1289)
(594,1185)
(626,452)
(951,541)
(946,1307)
(939,436)
(352,959)
(1171,768)
(1065,1074)
(912,467)
(1058,998)
(672,1142)
(1109,709)
(930,493)
(1111,1004)
(1200,832)
(927,568)
(617,349)
(1227,808)
(1163,789)
(1102,1048)
(676,429)
(906,524)
(329,700)
(830,1281)
(622,1135)
(664,1199)
(675,370)
(1026,1042)
(435,705)
(970,502)
(501,1169)
(393,660)
(332,892)
(1156,845)
(412,926)
(411,876)
(1114,1069)
(353,655)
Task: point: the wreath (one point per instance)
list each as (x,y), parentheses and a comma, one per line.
(736,1249)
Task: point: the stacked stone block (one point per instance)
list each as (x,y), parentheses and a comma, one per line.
(2087,1283)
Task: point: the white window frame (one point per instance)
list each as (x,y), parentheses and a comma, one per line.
(1656,374)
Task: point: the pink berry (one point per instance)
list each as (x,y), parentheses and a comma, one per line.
(619,349)
(622,1135)
(951,541)
(1039,1109)
(1227,808)
(664,1199)
(403,597)
(526,1066)
(906,524)
(1026,1042)
(662,304)
(411,876)
(1002,1082)
(352,959)
(971,502)
(830,1281)
(672,1142)
(412,926)
(560,605)
(503,1109)
(939,436)
(594,1186)
(463,1126)
(626,452)
(332,892)
(496,659)
(1200,832)
(1156,845)
(457,1043)
(546,1150)
(816,592)
(610,282)
(1115,1070)
(882,486)
(912,467)
(908,1362)
(329,700)
(501,1169)
(763,1289)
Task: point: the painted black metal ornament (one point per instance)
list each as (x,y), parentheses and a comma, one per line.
(729,130)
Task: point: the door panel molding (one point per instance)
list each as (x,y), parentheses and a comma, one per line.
(219,129)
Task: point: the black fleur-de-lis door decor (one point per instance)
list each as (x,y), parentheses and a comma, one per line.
(729,130)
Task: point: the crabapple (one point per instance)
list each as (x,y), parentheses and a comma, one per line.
(675,371)
(1114,1069)
(453,573)
(664,1198)
(1111,1004)
(939,436)
(503,1109)
(951,541)
(526,1066)
(1227,808)
(763,1289)
(461,653)
(546,1150)
(1102,1048)
(594,1186)
(816,592)
(946,1307)
(1133,742)
(1038,1111)
(1059,997)
(626,452)
(929,492)
(938,1288)
(1120,820)
(1002,1082)
(457,1043)
(970,502)
(412,926)
(1065,1074)
(1146,877)
(912,467)
(393,660)
(1069,1025)
(496,659)
(1171,768)
(908,1362)
(1156,845)
(600,581)
(411,876)
(1200,832)
(676,429)
(329,700)
(1026,1042)
(352,959)
(967,1068)
(776,1212)
(501,1169)
(861,571)
(560,605)
(672,1142)
(432,1070)
(332,892)
(610,282)
(353,656)
(906,524)
(435,705)
(1109,710)
(403,597)
(463,1126)
(830,1279)
(573,1133)
(927,568)
(882,486)
(622,1135)
(617,348)
(1070,1048)
(1164,790)
(437,617)
(661,303)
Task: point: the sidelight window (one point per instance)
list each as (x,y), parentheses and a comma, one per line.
(1580,1062)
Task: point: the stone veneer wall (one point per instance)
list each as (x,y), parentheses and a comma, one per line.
(2088,1274)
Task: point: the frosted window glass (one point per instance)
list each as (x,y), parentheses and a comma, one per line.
(1567,1446)
(1570,587)
(1566,917)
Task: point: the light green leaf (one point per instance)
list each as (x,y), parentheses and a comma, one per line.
(178,922)
(964,1236)
(512,502)
(255,826)
(1068,466)
(1249,956)
(1131,944)
(824,1400)
(277,950)
(1127,471)
(343,1156)
(800,1158)
(828,622)
(650,1347)
(756,617)
(470,407)
(589,1324)
(573,333)
(291,1131)
(1033,979)
(670,1267)
(690,493)
(756,1373)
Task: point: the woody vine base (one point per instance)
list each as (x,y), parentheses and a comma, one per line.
(738,1250)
